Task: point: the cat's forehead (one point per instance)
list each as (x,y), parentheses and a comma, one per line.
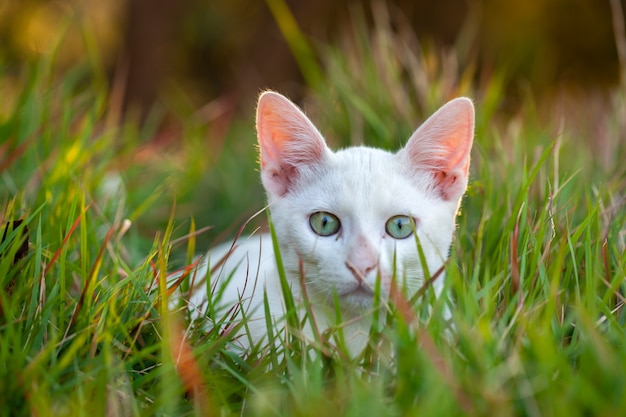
(365,178)
(364,159)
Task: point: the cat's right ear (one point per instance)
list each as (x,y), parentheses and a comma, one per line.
(442,145)
(288,141)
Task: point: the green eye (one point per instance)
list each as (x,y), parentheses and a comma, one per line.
(324,223)
(400,226)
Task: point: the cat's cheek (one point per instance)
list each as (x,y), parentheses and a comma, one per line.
(408,268)
(386,278)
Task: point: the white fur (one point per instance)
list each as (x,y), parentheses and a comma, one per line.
(363,187)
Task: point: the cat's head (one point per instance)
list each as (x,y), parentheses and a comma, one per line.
(344,218)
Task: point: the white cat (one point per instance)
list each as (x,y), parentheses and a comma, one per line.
(341,218)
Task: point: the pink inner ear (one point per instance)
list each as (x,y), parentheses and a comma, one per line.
(273,139)
(457,144)
(450,184)
(442,145)
(287,139)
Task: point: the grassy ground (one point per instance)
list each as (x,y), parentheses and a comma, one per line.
(537,270)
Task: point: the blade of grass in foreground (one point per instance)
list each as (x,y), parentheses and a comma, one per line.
(291,312)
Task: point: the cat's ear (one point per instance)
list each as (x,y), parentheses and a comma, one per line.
(442,147)
(288,141)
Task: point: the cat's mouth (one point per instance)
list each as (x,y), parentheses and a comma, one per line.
(358,295)
(359,290)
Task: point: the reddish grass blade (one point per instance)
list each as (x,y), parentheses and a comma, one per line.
(90,279)
(13,156)
(428,346)
(188,369)
(65,239)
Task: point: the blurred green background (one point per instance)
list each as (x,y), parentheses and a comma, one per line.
(234,48)
(189,72)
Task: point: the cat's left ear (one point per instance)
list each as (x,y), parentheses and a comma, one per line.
(442,145)
(288,141)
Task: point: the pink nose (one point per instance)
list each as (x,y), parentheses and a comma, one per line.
(362,258)
(360,273)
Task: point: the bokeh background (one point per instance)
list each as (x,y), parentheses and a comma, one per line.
(234,48)
(191,70)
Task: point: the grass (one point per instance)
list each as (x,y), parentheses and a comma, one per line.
(537,269)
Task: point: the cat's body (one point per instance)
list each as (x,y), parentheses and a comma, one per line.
(342,218)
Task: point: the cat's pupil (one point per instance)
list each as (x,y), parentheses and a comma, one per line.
(324,223)
(399,227)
